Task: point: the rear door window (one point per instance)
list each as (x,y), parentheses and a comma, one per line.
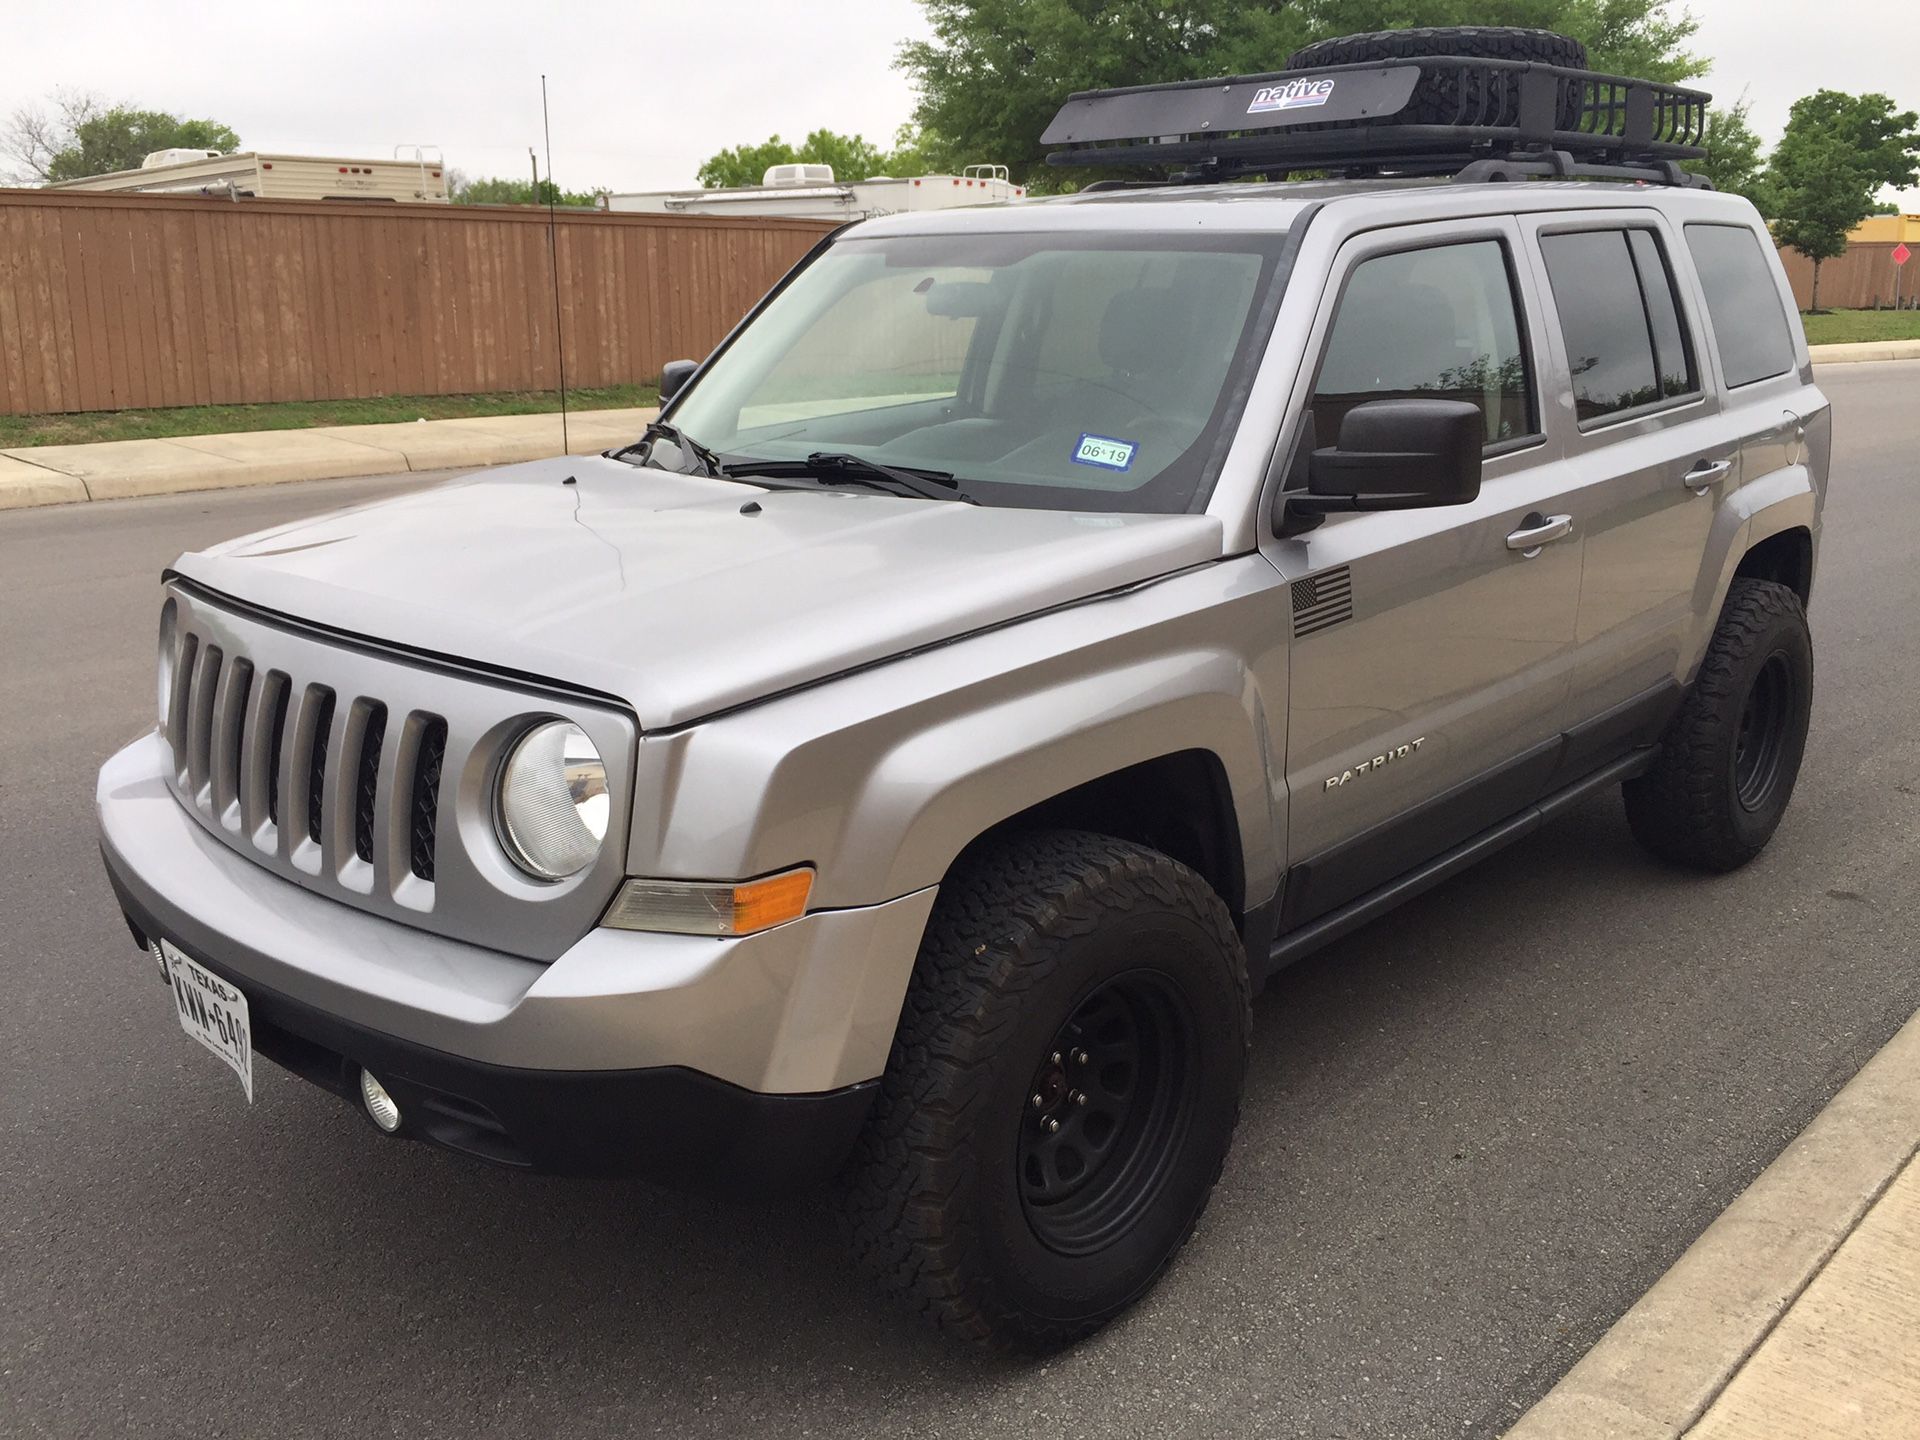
(1749,324)
(1437,323)
(1626,340)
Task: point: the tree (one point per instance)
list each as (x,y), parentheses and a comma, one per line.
(84,136)
(34,135)
(995,71)
(744,164)
(853,157)
(1733,152)
(1839,151)
(492,190)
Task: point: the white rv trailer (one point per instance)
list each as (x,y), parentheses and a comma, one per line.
(420,178)
(811,192)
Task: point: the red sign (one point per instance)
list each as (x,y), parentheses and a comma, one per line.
(1901,254)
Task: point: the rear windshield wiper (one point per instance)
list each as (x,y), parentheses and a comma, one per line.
(833,467)
(673,435)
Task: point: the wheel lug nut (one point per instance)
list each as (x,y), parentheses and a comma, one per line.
(1038,1100)
(1053,1125)
(1056,1057)
(1079,1097)
(1080,1057)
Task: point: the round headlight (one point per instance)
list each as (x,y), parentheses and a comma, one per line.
(554,805)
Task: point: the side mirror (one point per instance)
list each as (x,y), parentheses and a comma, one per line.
(674,376)
(1393,455)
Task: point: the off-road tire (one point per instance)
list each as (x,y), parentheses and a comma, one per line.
(1025,934)
(1486,42)
(1436,100)
(1692,808)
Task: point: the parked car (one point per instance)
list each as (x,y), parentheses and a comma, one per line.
(1029,631)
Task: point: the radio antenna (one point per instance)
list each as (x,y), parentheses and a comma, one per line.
(553,258)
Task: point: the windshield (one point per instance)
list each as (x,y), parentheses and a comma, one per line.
(1053,371)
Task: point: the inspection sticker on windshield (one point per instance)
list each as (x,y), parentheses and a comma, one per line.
(1107,453)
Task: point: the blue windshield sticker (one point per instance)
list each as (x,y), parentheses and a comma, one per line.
(1107,453)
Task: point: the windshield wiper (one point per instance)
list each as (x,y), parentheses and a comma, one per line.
(673,435)
(834,467)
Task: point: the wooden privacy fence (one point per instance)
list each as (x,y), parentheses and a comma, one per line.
(114,302)
(1859,280)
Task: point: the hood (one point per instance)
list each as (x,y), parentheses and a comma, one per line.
(656,589)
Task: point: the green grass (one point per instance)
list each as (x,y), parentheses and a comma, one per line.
(1844,327)
(81,429)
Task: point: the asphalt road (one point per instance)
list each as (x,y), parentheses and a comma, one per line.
(1475,1132)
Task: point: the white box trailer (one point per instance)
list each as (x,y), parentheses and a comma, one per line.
(811,192)
(418,179)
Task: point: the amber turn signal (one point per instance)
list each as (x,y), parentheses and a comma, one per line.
(680,907)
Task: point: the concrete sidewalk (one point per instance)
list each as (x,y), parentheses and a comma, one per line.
(119,469)
(1859,350)
(1796,1316)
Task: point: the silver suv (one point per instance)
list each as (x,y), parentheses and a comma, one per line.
(1029,631)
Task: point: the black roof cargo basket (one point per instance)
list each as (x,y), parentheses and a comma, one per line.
(1473,118)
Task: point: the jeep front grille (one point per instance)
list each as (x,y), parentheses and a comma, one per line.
(425,812)
(337,766)
(373,735)
(238,745)
(313,746)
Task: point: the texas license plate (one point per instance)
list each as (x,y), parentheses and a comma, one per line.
(212,1012)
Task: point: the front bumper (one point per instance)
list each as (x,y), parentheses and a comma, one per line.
(685,1058)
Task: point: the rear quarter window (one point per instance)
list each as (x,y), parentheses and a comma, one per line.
(1626,343)
(1749,326)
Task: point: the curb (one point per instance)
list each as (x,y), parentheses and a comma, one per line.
(1656,1372)
(124,469)
(1865,350)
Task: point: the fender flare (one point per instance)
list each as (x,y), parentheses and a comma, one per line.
(1170,705)
(1757,511)
(884,799)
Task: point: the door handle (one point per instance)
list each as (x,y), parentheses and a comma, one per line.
(1538,530)
(1704,473)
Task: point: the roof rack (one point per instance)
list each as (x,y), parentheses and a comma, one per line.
(1472,118)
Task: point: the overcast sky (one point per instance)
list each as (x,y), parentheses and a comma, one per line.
(641,93)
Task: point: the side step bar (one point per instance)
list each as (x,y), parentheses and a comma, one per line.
(1298,944)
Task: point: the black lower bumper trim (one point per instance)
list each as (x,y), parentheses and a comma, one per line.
(667,1123)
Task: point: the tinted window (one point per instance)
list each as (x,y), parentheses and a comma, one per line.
(1626,346)
(1672,348)
(1749,327)
(1437,323)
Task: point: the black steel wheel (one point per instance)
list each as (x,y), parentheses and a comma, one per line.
(1764,733)
(1062,1092)
(1728,761)
(1107,1109)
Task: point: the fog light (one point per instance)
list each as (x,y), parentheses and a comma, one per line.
(381,1107)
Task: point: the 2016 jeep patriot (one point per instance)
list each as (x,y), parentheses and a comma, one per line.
(1031,629)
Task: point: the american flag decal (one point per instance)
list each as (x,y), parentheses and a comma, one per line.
(1322,600)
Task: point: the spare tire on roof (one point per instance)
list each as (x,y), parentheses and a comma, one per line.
(1485,42)
(1437,99)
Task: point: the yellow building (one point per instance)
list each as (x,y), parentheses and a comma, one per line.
(1886,230)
